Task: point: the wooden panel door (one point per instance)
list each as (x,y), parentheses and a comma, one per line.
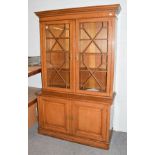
(57,55)
(54,114)
(93,62)
(89,120)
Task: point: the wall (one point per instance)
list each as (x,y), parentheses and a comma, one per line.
(120,115)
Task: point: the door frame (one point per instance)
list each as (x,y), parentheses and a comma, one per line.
(43,55)
(42,123)
(110,67)
(75,105)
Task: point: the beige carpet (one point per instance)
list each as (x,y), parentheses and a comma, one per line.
(44,145)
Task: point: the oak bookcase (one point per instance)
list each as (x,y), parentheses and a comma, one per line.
(77,55)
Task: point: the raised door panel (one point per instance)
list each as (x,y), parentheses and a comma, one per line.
(57,55)
(93,62)
(53,114)
(89,120)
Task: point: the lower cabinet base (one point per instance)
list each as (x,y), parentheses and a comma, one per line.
(71,138)
(83,120)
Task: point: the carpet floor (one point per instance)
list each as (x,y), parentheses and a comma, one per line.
(45,145)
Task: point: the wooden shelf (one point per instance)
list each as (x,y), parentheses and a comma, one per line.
(94,39)
(32,91)
(92,69)
(32,104)
(58,52)
(32,70)
(57,37)
(32,95)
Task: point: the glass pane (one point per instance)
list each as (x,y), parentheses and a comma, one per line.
(103,34)
(58,55)
(93,49)
(93,61)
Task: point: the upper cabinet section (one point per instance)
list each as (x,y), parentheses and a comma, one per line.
(77,49)
(93,40)
(56,46)
(82,12)
(58,55)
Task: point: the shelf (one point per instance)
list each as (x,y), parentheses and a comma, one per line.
(33,92)
(103,53)
(94,89)
(92,69)
(32,70)
(57,38)
(62,69)
(59,86)
(80,69)
(57,51)
(94,39)
(32,95)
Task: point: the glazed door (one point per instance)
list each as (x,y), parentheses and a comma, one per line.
(54,114)
(89,120)
(93,56)
(57,55)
